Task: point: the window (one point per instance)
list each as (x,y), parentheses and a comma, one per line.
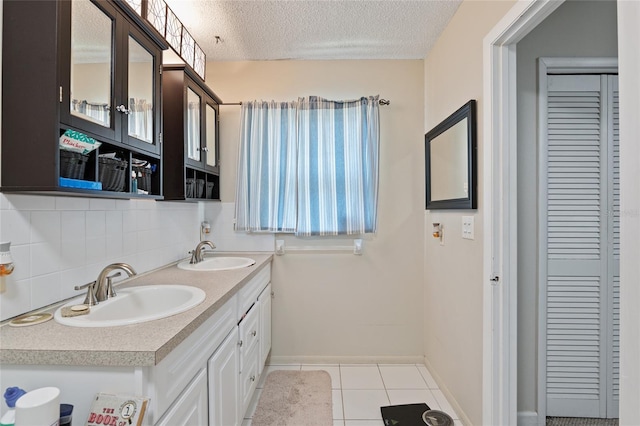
(309,167)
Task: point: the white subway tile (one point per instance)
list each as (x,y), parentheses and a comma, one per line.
(16,299)
(96,249)
(45,258)
(15,226)
(96,224)
(73,254)
(21,261)
(45,226)
(45,290)
(32,202)
(73,226)
(102,204)
(72,203)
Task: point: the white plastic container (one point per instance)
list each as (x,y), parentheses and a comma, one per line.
(40,407)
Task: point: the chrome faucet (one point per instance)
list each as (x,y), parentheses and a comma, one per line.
(103,286)
(196,255)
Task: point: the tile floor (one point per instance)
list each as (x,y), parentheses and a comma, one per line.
(359,390)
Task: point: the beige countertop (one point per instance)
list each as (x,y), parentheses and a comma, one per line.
(144,344)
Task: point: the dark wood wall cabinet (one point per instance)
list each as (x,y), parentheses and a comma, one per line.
(74,73)
(190,111)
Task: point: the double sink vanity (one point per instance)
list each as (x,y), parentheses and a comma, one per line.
(193,338)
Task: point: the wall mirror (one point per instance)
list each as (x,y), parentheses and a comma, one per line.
(450,161)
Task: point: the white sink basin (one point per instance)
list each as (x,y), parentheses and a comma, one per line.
(134,305)
(217,263)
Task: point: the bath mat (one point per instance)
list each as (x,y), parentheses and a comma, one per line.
(295,398)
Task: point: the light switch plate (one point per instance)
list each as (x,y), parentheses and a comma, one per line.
(468,231)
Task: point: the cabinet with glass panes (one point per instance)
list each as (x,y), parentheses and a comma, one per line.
(81,100)
(190,111)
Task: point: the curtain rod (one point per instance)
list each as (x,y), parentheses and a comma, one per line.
(381,102)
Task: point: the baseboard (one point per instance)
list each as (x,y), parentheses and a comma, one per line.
(527,418)
(462,416)
(320,359)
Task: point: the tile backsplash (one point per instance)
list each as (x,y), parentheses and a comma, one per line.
(61,242)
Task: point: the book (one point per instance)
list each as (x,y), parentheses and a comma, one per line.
(117,410)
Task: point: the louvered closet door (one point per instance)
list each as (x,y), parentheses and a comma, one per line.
(582,198)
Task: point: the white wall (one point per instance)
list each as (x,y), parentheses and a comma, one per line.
(453,273)
(575,29)
(341,307)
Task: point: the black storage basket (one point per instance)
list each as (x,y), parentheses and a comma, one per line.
(190,188)
(72,164)
(209,190)
(199,188)
(143,175)
(112,174)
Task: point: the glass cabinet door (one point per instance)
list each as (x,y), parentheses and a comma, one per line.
(193,125)
(91,83)
(140,92)
(210,136)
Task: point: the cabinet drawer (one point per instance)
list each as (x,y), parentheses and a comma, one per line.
(175,371)
(191,407)
(249,377)
(250,292)
(249,333)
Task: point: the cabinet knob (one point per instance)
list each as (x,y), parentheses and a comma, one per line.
(253,378)
(205,149)
(240,343)
(123,109)
(254,333)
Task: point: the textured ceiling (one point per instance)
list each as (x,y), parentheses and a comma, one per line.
(317,29)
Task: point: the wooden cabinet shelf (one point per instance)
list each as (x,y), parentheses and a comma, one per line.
(84,66)
(191,148)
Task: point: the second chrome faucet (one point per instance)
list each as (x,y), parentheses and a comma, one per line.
(196,254)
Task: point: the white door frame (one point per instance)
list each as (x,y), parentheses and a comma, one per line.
(556,66)
(499,404)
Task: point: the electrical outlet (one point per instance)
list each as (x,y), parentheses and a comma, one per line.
(468,232)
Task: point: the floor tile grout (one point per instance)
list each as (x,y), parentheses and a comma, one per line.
(340,369)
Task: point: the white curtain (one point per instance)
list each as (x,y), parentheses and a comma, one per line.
(338,145)
(266,184)
(309,167)
(141,119)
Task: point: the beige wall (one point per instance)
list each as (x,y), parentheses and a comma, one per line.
(570,31)
(453,272)
(341,307)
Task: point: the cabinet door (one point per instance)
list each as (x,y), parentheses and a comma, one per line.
(193,126)
(89,69)
(191,407)
(211,136)
(224,371)
(139,104)
(264,301)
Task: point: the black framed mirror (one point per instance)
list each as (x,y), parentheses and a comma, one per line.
(450,161)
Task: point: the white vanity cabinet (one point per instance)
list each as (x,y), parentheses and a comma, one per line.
(207,379)
(223,369)
(235,368)
(191,408)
